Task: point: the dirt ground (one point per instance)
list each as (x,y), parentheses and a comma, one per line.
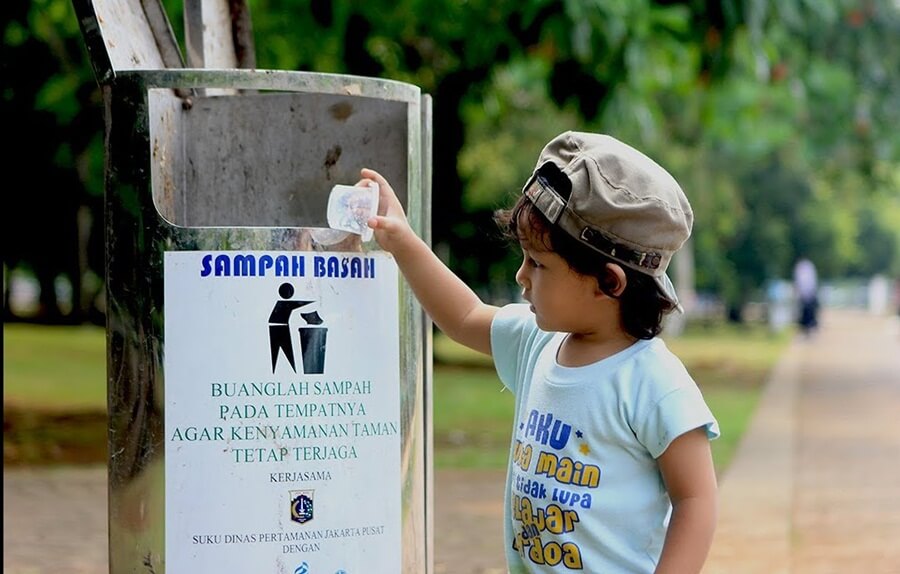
(468,508)
(52,458)
(55,516)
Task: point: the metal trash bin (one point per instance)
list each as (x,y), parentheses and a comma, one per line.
(269,389)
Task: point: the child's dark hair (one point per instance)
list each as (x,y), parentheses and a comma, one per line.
(642,303)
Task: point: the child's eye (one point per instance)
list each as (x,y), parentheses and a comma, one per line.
(534,263)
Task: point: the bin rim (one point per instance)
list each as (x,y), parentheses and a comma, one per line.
(272,80)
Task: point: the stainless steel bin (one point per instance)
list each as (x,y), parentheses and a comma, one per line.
(224,450)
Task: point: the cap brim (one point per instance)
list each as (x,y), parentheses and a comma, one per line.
(668,289)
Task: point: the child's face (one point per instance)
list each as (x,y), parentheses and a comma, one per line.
(559,296)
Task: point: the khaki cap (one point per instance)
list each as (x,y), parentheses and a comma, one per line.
(614,199)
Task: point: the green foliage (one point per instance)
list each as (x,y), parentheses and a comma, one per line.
(878,237)
(777,152)
(507,127)
(779,118)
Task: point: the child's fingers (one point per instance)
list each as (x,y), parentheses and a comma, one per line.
(382,223)
(384,188)
(388,204)
(374,176)
(386,228)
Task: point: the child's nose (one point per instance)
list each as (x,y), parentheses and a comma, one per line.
(522,276)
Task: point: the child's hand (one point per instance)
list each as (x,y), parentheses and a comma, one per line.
(392,229)
(453,306)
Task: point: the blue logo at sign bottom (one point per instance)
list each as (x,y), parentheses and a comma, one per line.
(302,506)
(304,569)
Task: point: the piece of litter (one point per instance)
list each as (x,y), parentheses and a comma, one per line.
(351,206)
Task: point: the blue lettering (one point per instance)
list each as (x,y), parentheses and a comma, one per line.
(244,265)
(206,268)
(281,266)
(333,267)
(571,498)
(356,267)
(539,426)
(297,268)
(560,435)
(249,265)
(265,262)
(223,266)
(531,425)
(542,433)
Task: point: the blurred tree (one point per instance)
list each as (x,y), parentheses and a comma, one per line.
(828,77)
(52,108)
(804,110)
(779,118)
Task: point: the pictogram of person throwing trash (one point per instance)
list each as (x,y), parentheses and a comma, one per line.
(312,335)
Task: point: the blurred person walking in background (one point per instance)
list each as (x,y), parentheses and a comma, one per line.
(806,287)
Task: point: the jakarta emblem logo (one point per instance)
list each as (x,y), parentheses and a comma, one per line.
(301,506)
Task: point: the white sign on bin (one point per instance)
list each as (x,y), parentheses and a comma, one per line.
(282,412)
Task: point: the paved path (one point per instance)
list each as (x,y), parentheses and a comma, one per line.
(54,521)
(815,485)
(813,489)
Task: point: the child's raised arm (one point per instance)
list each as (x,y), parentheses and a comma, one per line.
(452,305)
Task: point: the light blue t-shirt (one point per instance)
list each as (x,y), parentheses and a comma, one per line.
(583,490)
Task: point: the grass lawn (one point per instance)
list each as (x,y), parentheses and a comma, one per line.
(54,393)
(54,368)
(731,364)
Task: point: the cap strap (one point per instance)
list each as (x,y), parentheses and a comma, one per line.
(545,198)
(645,259)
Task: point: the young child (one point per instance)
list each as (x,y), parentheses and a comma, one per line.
(610,468)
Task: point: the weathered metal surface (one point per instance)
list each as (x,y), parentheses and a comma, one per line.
(247,170)
(160,153)
(208,34)
(119,36)
(219,34)
(235,166)
(209,37)
(427,341)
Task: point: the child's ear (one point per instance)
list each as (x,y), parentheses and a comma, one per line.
(614,280)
